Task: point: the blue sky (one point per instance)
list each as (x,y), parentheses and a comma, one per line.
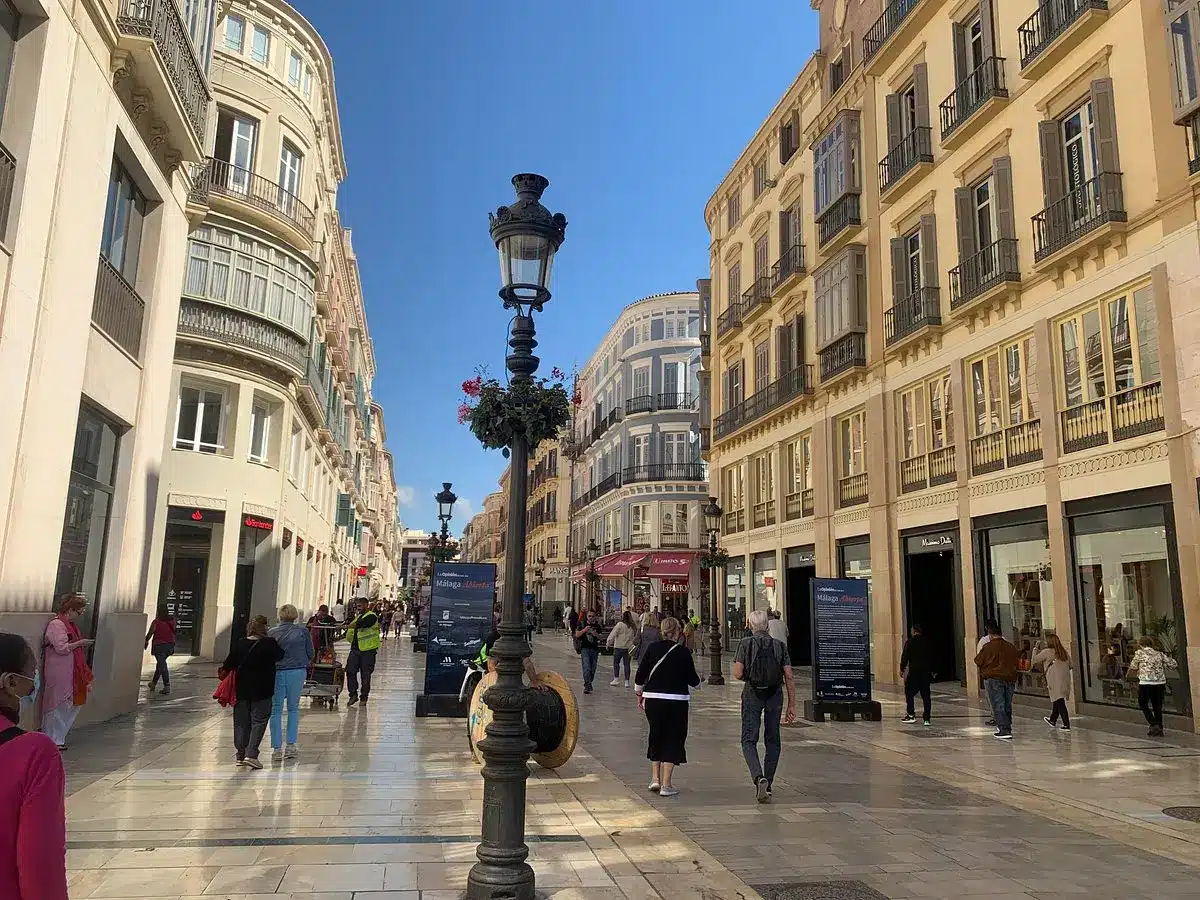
(634,109)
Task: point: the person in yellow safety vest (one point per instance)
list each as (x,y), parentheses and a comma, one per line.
(362,632)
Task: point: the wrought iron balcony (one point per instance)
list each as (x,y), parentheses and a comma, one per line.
(243,185)
(314,387)
(1050,20)
(1085,208)
(908,316)
(675,401)
(117,310)
(846,353)
(8,177)
(663,472)
(159,23)
(224,325)
(780,391)
(995,264)
(914,148)
(886,25)
(842,214)
(674,541)
(970,94)
(731,318)
(791,263)
(756,296)
(852,490)
(640,404)
(613,417)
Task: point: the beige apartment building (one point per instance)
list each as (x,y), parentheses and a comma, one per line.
(276,482)
(546,531)
(951,291)
(104,111)
(482,538)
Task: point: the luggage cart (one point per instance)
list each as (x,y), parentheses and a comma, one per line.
(324,684)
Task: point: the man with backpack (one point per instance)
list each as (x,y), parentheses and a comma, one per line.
(764,665)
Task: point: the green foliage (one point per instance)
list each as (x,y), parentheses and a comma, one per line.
(538,409)
(717,560)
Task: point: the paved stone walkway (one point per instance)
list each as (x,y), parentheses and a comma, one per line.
(381,806)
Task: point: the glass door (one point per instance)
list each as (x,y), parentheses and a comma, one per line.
(289,177)
(1082,163)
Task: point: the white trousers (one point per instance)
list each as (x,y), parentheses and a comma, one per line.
(56,723)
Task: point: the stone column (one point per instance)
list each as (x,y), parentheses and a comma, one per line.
(824,486)
(886,612)
(966,546)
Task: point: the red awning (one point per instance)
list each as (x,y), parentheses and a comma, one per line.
(617,565)
(671,563)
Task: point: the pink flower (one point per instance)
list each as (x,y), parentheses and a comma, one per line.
(473,387)
(464,413)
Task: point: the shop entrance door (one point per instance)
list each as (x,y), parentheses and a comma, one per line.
(184,576)
(931,591)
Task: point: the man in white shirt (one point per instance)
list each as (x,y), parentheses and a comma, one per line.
(776,628)
(339,610)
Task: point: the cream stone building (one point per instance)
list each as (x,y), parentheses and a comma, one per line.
(276,482)
(104,109)
(546,529)
(952,290)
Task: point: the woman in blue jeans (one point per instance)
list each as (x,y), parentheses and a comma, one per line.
(290,672)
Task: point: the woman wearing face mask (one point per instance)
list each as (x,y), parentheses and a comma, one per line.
(68,677)
(33,819)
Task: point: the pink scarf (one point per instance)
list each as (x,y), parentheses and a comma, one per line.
(82,675)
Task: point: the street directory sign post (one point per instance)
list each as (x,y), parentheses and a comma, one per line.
(460,618)
(841,650)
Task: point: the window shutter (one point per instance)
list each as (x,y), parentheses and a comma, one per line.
(1050,139)
(921,88)
(1104,110)
(1002,181)
(964,213)
(960,52)
(849,151)
(929,260)
(725,391)
(989,34)
(899,271)
(798,341)
(893,120)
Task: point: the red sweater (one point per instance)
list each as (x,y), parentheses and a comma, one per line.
(33,819)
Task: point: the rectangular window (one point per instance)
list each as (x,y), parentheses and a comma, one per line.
(1184,58)
(1107,348)
(290,162)
(734,208)
(235,34)
(639,517)
(762,257)
(260,45)
(912,254)
(735,284)
(735,497)
(260,433)
(1001,388)
(675,448)
(764,478)
(641,381)
(235,144)
(926,417)
(640,448)
(837,74)
(762,366)
(852,443)
(984,220)
(841,296)
(760,176)
(308,78)
(1079,149)
(200,420)
(799,464)
(295,69)
(123,219)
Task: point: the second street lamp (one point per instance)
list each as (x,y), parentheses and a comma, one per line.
(446,499)
(539,583)
(593,552)
(712,521)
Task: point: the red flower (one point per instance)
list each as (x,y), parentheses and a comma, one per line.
(464,413)
(473,387)
(577,399)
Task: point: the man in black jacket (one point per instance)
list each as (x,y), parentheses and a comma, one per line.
(916,671)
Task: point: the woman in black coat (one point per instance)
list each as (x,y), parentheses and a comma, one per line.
(253,658)
(666,673)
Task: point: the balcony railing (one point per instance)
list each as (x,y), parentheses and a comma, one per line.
(1085,426)
(160,21)
(639,542)
(673,541)
(735,521)
(8,177)
(1048,21)
(928,470)
(852,490)
(234,181)
(798,505)
(791,263)
(609,484)
(785,388)
(942,468)
(914,148)
(997,263)
(841,215)
(885,26)
(664,472)
(676,400)
(613,417)
(914,474)
(764,514)
(234,327)
(758,294)
(980,86)
(911,314)
(117,310)
(731,318)
(641,404)
(705,439)
(1084,209)
(846,353)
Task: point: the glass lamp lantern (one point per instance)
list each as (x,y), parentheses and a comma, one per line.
(446,499)
(712,516)
(527,235)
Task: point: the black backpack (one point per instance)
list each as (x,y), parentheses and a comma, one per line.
(764,671)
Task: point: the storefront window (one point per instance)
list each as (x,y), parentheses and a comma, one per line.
(1125,588)
(766,595)
(1022,593)
(735,599)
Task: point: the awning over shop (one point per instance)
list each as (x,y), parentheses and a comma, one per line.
(671,564)
(617,565)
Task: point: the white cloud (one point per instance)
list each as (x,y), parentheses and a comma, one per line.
(464,509)
(404,495)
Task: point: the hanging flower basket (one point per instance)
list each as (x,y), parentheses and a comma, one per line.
(497,414)
(717,560)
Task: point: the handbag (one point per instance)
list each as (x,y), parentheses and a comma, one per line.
(226,692)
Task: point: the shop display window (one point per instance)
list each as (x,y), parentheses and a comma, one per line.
(1022,590)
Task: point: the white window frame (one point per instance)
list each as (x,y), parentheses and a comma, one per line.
(265,57)
(308,81)
(800,464)
(852,444)
(240,45)
(205,393)
(295,69)
(675,448)
(640,522)
(260,431)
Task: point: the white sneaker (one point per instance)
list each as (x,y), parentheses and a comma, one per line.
(654,786)
(291,752)
(614,682)
(667,792)
(626,682)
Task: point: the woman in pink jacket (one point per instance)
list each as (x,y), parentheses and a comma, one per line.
(33,818)
(68,677)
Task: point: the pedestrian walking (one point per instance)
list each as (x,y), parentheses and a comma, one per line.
(988,627)
(665,676)
(253,658)
(65,665)
(339,610)
(161,641)
(916,671)
(530,623)
(573,623)
(588,637)
(997,663)
(321,629)
(764,666)
(1149,664)
(648,636)
(362,631)
(776,628)
(1056,663)
(620,641)
(385,620)
(33,818)
(290,672)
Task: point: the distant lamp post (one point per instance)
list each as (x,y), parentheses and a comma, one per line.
(593,553)
(539,583)
(446,499)
(527,236)
(712,521)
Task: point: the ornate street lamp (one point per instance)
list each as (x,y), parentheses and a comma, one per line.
(712,521)
(526,235)
(446,499)
(539,583)
(593,553)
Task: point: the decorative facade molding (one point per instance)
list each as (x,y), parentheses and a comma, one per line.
(1118,459)
(926,500)
(254,509)
(795,529)
(196,500)
(1012,482)
(849,517)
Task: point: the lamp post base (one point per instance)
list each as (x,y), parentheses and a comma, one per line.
(714,655)
(501,883)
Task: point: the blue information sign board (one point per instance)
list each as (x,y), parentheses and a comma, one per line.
(460,617)
(841,636)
